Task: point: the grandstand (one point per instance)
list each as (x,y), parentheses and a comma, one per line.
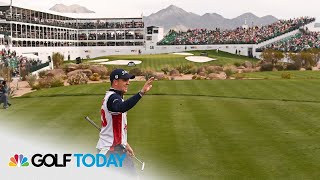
(41,33)
(252,35)
(299,42)
(249,41)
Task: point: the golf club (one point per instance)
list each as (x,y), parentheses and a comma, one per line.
(95,125)
(91,122)
(140,162)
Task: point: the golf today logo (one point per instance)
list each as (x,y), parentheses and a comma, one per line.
(80,160)
(18,161)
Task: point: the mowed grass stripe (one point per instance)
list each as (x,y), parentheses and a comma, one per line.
(257,135)
(151,132)
(193,144)
(267,141)
(289,139)
(231,144)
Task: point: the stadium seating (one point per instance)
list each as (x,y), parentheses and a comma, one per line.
(252,35)
(301,41)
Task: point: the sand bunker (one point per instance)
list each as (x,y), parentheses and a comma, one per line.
(184,54)
(121,62)
(200,59)
(99,60)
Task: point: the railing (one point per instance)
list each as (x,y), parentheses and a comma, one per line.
(36,68)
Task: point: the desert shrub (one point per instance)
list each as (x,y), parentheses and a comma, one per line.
(214,69)
(162,77)
(237,64)
(291,67)
(201,69)
(194,76)
(49,82)
(230,70)
(148,73)
(194,70)
(166,68)
(174,72)
(185,69)
(79,78)
(57,59)
(136,72)
(211,69)
(70,67)
(83,66)
(266,67)
(286,75)
(57,82)
(95,77)
(31,79)
(191,69)
(44,82)
(36,87)
(279,67)
(309,68)
(42,74)
(23,74)
(239,76)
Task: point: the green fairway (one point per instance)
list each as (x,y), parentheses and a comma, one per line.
(232,129)
(160,60)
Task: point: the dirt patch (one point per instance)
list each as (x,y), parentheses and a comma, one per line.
(20,88)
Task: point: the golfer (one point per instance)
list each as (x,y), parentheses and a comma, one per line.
(113,134)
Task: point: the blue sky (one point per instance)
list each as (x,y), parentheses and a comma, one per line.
(283,9)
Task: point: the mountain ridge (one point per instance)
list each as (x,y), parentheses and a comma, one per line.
(173,17)
(74,8)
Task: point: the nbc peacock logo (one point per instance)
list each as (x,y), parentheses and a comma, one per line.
(18,161)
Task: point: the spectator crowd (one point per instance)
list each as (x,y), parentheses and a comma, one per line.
(251,35)
(62,21)
(10,60)
(299,42)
